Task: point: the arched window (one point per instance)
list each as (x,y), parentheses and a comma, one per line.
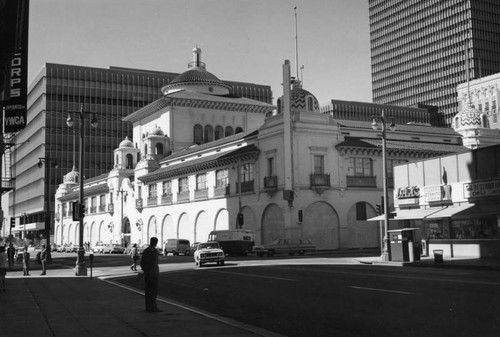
(198,134)
(219,132)
(209,133)
(159,148)
(117,160)
(238,130)
(310,104)
(228,132)
(130,161)
(145,149)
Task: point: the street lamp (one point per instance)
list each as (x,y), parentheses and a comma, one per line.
(81,269)
(48,218)
(386,251)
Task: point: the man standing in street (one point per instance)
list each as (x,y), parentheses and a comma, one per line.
(11,251)
(149,265)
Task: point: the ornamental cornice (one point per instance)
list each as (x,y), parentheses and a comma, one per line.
(217,105)
(407,153)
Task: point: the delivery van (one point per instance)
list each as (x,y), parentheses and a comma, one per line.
(176,247)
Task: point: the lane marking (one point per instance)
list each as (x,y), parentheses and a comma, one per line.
(383,290)
(252,275)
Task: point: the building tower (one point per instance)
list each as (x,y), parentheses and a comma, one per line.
(418,50)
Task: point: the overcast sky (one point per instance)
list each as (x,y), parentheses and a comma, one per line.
(241,40)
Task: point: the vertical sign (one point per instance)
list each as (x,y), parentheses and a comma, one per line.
(16,86)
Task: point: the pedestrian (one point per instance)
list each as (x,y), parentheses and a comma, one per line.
(11,251)
(26,262)
(149,265)
(4,263)
(43,259)
(135,256)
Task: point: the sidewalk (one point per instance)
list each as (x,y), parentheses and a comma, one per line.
(448,262)
(61,304)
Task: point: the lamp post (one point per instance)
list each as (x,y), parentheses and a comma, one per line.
(80,268)
(386,251)
(48,218)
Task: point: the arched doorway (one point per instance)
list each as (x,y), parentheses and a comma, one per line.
(321,225)
(202,228)
(273,224)
(185,228)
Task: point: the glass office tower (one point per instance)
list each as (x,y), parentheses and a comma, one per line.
(58,89)
(418,49)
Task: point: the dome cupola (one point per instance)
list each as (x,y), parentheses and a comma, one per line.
(197,79)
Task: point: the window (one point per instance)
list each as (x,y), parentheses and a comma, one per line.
(183,184)
(228,132)
(93,205)
(152,191)
(102,202)
(159,148)
(209,133)
(238,130)
(219,132)
(309,104)
(201,182)
(360,167)
(247,173)
(270,166)
(167,188)
(198,134)
(221,178)
(319,164)
(130,161)
(361,211)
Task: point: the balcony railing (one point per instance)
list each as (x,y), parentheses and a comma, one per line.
(221,191)
(183,196)
(93,210)
(320,180)
(111,208)
(246,186)
(102,208)
(152,201)
(366,181)
(166,199)
(201,194)
(271,182)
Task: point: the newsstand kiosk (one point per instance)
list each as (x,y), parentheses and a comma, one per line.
(405,244)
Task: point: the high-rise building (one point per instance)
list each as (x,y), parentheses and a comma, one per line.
(42,153)
(418,49)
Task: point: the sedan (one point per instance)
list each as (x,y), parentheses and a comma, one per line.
(113,249)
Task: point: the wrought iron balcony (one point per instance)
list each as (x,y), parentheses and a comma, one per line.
(111,208)
(222,191)
(271,182)
(183,196)
(201,194)
(166,199)
(246,186)
(362,181)
(138,203)
(320,180)
(152,201)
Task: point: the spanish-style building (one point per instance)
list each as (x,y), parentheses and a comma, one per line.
(200,156)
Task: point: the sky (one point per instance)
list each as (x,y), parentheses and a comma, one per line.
(241,40)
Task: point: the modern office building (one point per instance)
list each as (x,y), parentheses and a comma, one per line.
(47,148)
(418,50)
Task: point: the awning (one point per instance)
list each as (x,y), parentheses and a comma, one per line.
(414,214)
(450,212)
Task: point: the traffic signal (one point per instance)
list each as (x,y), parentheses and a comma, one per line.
(378,209)
(12,222)
(240,219)
(76,213)
(300,215)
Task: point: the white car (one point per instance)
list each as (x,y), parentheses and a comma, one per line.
(207,252)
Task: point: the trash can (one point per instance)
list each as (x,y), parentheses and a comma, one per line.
(438,255)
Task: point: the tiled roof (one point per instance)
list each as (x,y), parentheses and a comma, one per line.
(87,191)
(417,128)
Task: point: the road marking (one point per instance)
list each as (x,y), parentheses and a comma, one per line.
(384,290)
(252,275)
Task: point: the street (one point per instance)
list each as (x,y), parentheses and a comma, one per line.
(311,299)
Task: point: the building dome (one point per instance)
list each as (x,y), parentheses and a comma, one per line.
(71,177)
(126,143)
(301,100)
(470,117)
(157,132)
(197,78)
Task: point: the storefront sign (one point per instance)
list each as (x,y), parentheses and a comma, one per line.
(437,193)
(482,189)
(408,195)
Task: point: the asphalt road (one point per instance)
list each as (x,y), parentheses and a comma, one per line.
(326,300)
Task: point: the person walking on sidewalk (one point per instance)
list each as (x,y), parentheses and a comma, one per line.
(4,263)
(149,265)
(26,262)
(11,251)
(135,256)
(43,259)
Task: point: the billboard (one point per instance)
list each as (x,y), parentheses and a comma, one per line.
(14,63)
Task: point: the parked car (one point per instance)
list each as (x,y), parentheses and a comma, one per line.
(114,248)
(208,252)
(54,247)
(99,247)
(70,248)
(285,246)
(141,249)
(193,247)
(176,247)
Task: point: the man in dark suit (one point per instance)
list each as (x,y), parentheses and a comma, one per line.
(149,265)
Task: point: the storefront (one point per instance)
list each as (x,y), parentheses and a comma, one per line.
(458,211)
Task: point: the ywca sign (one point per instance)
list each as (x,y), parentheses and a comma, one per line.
(482,189)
